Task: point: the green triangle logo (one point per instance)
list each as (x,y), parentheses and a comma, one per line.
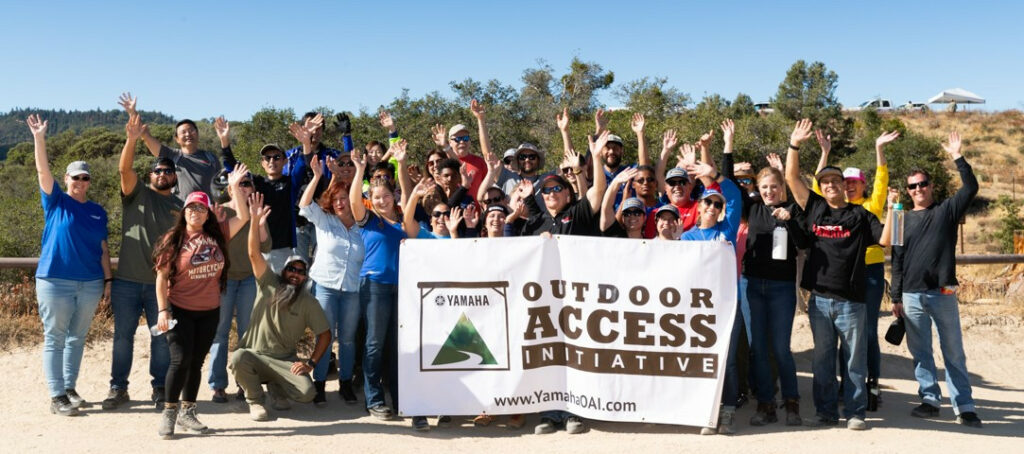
(463,342)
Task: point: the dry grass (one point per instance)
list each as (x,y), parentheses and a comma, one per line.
(19,315)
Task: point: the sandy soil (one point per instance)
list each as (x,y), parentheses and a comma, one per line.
(993,344)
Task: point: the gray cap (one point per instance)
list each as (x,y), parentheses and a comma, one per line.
(78,168)
(612,138)
(632,202)
(676,172)
(531,147)
(668,208)
(510,153)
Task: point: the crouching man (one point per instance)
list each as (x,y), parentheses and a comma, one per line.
(282,312)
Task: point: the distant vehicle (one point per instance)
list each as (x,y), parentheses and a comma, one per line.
(879,104)
(911,106)
(763,108)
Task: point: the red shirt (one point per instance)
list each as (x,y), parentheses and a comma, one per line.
(476,168)
(197,282)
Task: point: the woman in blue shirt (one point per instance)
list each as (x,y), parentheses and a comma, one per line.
(73,271)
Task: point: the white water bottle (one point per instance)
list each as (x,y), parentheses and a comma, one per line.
(155,329)
(897,224)
(780,243)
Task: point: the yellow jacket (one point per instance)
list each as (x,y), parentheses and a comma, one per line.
(876,205)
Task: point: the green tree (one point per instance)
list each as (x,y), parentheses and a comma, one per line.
(651,97)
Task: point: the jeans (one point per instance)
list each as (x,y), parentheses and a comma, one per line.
(66,308)
(731,385)
(921,310)
(129,300)
(343,311)
(875,280)
(768,309)
(305,242)
(379,303)
(831,319)
(236,302)
(188,342)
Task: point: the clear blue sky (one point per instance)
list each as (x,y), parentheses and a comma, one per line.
(202,59)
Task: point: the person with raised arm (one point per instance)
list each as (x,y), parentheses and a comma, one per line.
(148,211)
(282,313)
(629,219)
(73,272)
(476,166)
(298,169)
(834,273)
(196,168)
(924,288)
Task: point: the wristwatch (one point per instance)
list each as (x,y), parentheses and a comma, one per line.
(312,364)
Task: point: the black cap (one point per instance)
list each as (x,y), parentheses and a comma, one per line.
(164,161)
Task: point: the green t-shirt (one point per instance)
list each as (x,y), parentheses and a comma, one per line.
(276,332)
(238,250)
(146,216)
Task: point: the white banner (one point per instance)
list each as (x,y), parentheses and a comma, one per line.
(610,329)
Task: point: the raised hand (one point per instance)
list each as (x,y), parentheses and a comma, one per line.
(255,203)
(562,120)
(315,167)
(886,138)
(637,124)
(223,129)
(397,150)
(728,130)
(477,108)
(525,188)
(332,165)
(700,170)
(599,146)
(776,162)
(128,102)
(387,121)
(424,187)
(600,121)
(134,128)
(952,146)
(358,159)
(316,122)
(705,140)
(467,176)
(668,142)
(894,196)
(687,155)
(218,210)
(623,177)
(454,219)
(801,132)
(824,141)
(439,135)
(572,159)
(236,175)
(36,125)
(344,123)
(742,166)
(493,163)
(471,216)
(300,133)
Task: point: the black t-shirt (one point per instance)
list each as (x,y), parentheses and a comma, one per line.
(575,219)
(758,261)
(277,194)
(616,230)
(839,239)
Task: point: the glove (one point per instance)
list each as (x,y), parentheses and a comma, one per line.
(344,123)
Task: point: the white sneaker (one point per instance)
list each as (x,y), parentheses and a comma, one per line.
(258,412)
(856,423)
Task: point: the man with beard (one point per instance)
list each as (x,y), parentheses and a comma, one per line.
(612,160)
(280,316)
(148,212)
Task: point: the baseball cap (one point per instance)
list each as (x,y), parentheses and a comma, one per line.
(828,170)
(676,172)
(164,162)
(510,153)
(78,168)
(709,192)
(270,147)
(496,207)
(457,128)
(556,178)
(668,208)
(198,197)
(295,258)
(612,138)
(531,147)
(632,203)
(853,173)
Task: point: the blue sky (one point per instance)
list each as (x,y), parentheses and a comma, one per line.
(202,59)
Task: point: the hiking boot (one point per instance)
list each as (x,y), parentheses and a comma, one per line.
(856,423)
(925,411)
(167,421)
(158,397)
(483,420)
(220,396)
(726,418)
(76,400)
(381,412)
(346,392)
(546,426)
(765,414)
(874,394)
(969,419)
(258,412)
(574,425)
(240,395)
(516,421)
(793,413)
(420,423)
(820,421)
(61,405)
(115,398)
(320,399)
(187,419)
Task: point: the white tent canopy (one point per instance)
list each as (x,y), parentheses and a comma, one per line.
(957,95)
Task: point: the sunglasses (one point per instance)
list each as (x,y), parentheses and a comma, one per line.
(645,180)
(528,157)
(163,171)
(714,203)
(677,182)
(438,214)
(493,200)
(81,178)
(460,139)
(273,158)
(745,181)
(552,189)
(345,164)
(633,213)
(567,170)
(245,184)
(197,208)
(920,184)
(507,161)
(292,269)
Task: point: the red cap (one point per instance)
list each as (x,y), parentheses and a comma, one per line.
(198,197)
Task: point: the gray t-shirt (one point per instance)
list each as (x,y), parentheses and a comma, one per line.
(146,216)
(195,171)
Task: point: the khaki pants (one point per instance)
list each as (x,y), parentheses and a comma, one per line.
(252,369)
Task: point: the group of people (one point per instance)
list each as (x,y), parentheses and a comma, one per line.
(313,243)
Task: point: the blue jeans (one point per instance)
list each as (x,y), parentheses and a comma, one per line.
(921,310)
(305,242)
(832,319)
(379,303)
(66,308)
(731,384)
(236,302)
(875,280)
(343,311)
(129,300)
(768,309)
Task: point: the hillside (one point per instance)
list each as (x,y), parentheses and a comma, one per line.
(13,130)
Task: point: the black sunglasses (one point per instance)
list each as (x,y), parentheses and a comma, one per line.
(438,214)
(645,180)
(714,203)
(920,184)
(273,157)
(507,160)
(163,171)
(677,182)
(555,189)
(346,164)
(245,184)
(493,200)
(632,213)
(528,157)
(292,269)
(81,178)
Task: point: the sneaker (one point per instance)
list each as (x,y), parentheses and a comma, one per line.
(115,398)
(258,412)
(925,411)
(765,414)
(856,423)
(444,421)
(516,421)
(167,421)
(420,423)
(76,400)
(969,419)
(793,413)
(574,425)
(709,430)
(220,396)
(346,392)
(483,420)
(320,399)
(187,419)
(726,418)
(381,412)
(546,426)
(820,421)
(158,397)
(61,405)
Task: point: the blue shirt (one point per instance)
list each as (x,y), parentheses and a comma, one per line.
(726,229)
(72,237)
(382,240)
(339,251)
